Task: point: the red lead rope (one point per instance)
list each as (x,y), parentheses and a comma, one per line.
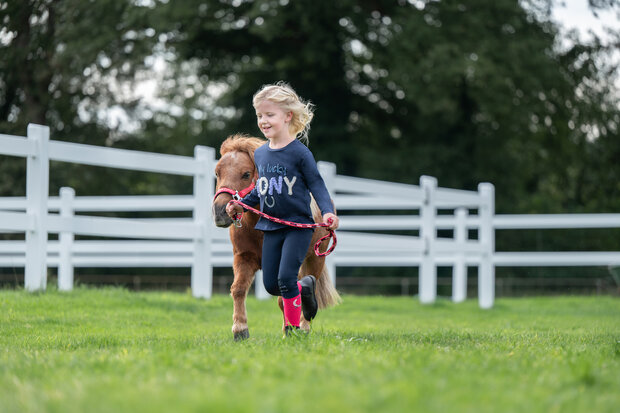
(330,233)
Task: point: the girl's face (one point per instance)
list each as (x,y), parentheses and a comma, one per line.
(272,120)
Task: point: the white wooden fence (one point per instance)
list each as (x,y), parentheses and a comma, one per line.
(195,242)
(36,222)
(415,208)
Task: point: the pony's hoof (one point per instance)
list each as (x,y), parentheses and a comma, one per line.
(242,335)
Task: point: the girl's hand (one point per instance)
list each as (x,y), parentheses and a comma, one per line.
(334,221)
(233,209)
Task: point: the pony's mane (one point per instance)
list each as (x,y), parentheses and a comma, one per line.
(241,143)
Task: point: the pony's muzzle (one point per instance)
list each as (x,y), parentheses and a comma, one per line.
(220,217)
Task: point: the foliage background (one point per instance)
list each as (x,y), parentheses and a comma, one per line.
(465,91)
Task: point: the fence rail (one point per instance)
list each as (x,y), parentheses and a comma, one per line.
(378,239)
(123,159)
(556,221)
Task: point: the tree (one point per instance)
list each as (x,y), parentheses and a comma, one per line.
(65,64)
(467,92)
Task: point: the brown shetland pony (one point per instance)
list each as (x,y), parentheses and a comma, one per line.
(236,170)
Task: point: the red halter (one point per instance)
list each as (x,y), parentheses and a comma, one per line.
(235,194)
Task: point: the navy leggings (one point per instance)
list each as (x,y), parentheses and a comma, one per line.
(283,252)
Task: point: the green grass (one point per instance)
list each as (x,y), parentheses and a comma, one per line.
(96,350)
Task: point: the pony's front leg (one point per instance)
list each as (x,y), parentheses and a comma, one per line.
(244,270)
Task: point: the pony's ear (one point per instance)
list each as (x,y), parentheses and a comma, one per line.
(226,146)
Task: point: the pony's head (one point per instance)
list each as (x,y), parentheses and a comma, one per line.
(235,170)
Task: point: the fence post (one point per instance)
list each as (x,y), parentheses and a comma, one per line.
(459,271)
(259,287)
(65,265)
(486,271)
(328,172)
(37,192)
(428,270)
(202,267)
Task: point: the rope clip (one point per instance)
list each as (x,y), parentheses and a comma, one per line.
(237,221)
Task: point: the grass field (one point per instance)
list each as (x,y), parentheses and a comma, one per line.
(111,350)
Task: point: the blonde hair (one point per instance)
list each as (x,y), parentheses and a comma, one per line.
(283,95)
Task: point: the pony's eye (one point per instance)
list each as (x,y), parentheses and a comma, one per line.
(246,175)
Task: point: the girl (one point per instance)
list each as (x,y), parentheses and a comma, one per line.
(287,175)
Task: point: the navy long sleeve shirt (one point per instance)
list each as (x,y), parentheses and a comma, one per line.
(287,176)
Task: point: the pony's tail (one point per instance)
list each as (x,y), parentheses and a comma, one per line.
(326,294)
